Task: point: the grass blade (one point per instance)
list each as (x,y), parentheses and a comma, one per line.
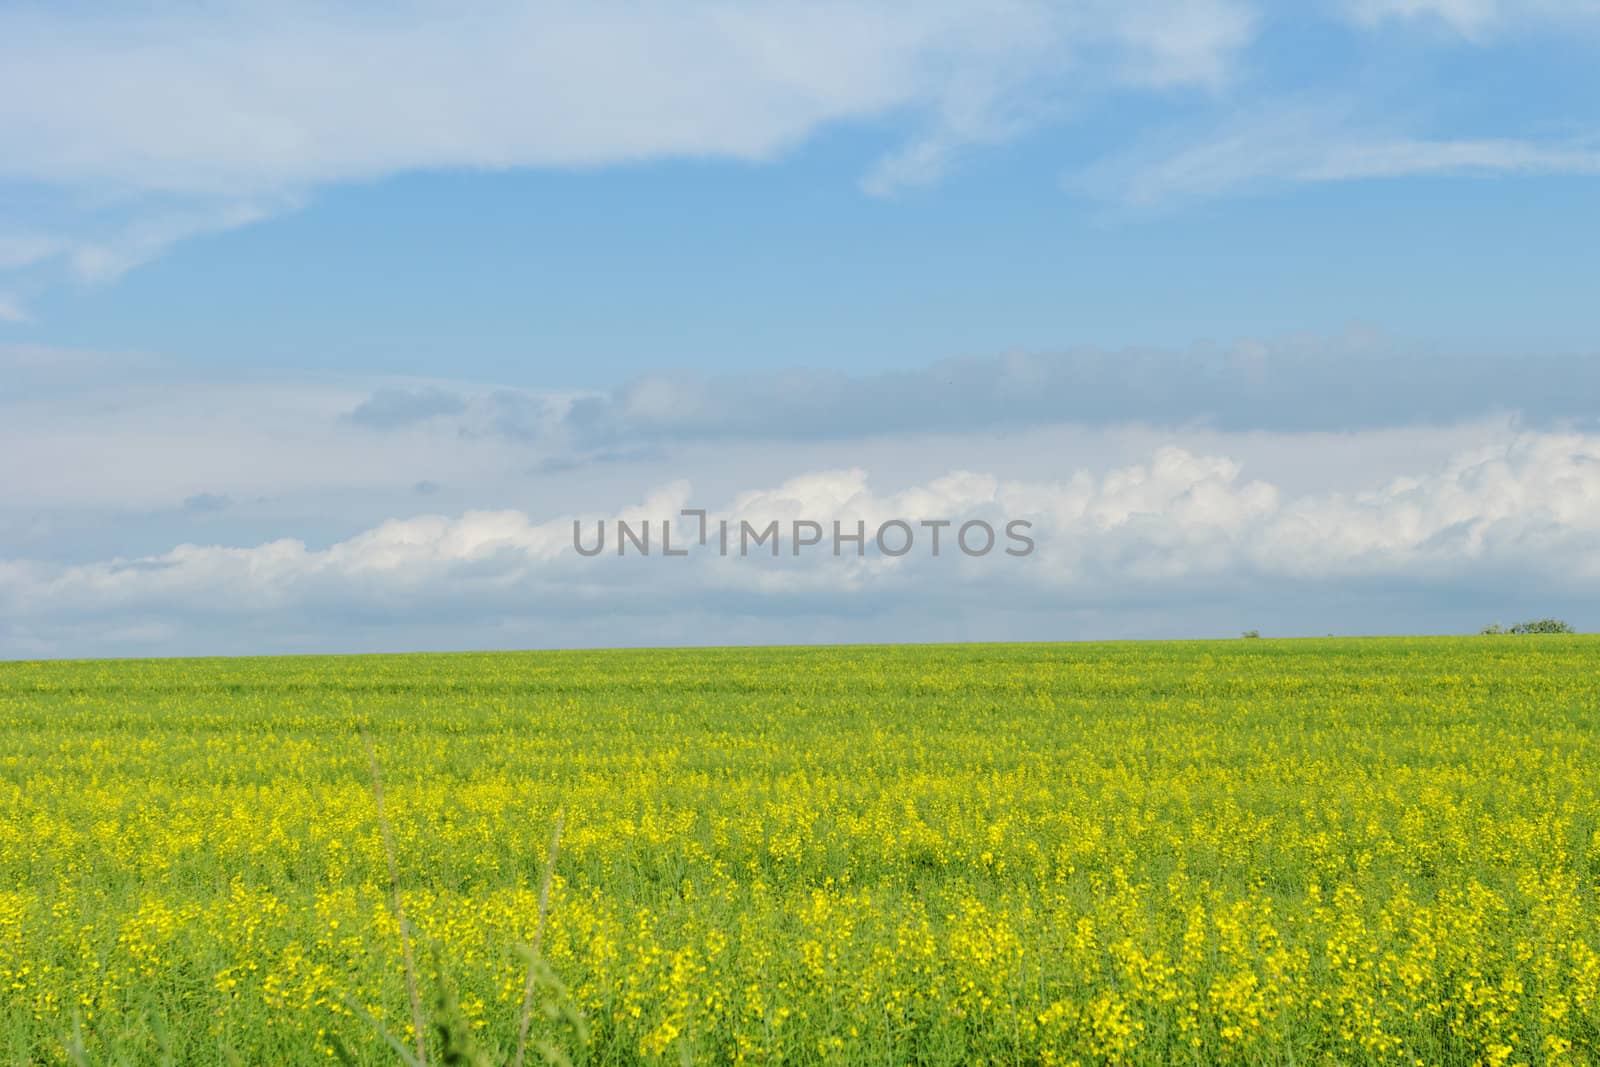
(538,937)
(418,1028)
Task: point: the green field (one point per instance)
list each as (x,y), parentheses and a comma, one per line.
(1253,851)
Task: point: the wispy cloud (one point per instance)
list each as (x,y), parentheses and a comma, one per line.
(128,233)
(222,101)
(226,116)
(1306,143)
(1052,65)
(197,119)
(1474,19)
(25,250)
(145,238)
(11,309)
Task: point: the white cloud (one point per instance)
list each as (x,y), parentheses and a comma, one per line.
(224,99)
(174,121)
(1523,514)
(143,235)
(1315,142)
(1397,157)
(192,119)
(1182,42)
(144,239)
(25,250)
(1159,45)
(11,309)
(1474,19)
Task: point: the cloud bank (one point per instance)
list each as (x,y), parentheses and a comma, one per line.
(1180,528)
(112,434)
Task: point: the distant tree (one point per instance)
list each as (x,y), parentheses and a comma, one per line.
(1542,626)
(1251,633)
(1536,626)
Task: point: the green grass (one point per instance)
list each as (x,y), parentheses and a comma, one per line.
(1320,851)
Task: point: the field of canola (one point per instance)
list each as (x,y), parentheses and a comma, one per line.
(1268,852)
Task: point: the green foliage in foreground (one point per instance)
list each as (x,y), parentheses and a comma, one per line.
(1328,851)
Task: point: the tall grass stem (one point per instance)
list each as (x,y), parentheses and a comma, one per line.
(418,1028)
(538,938)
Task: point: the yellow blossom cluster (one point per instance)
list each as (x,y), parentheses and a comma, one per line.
(1265,852)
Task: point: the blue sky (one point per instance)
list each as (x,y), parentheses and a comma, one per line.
(301,279)
(583,280)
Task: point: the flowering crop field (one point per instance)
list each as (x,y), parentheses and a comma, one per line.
(1252,851)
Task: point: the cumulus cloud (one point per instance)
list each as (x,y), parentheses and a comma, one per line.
(1522,515)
